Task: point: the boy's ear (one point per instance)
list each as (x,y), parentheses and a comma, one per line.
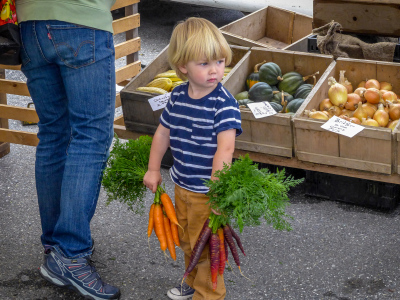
(183,69)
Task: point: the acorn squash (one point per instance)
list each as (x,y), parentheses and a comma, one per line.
(261,91)
(294,105)
(303,91)
(254,77)
(278,97)
(270,73)
(292,81)
(276,106)
(244,102)
(242,95)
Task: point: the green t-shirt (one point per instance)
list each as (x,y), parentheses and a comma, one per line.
(91,13)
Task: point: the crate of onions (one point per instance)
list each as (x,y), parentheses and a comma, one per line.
(360,91)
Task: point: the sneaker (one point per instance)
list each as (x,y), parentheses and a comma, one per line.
(181,292)
(47,248)
(78,274)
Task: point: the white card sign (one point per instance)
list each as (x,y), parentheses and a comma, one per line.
(261,109)
(159,102)
(342,127)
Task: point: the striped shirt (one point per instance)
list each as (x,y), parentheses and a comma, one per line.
(194,125)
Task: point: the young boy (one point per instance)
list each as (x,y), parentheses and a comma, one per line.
(199,123)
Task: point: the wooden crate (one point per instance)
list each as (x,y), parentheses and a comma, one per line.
(396,146)
(372,149)
(270,27)
(138,114)
(271,135)
(359,16)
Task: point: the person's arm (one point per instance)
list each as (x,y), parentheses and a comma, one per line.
(225,149)
(159,146)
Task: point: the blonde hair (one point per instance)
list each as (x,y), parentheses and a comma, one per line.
(196,38)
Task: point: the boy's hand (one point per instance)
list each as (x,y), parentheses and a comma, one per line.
(152,179)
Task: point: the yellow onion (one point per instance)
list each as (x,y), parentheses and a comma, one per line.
(372,95)
(343,81)
(347,112)
(381,116)
(360,92)
(337,93)
(372,83)
(370,109)
(360,113)
(325,104)
(352,101)
(389,96)
(335,110)
(369,122)
(386,86)
(394,111)
(361,84)
(355,120)
(392,124)
(316,114)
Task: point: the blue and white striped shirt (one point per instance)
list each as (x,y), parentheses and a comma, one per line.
(194,125)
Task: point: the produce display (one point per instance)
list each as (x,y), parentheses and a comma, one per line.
(371,103)
(165,82)
(267,83)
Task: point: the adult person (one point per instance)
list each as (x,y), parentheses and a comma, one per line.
(68,58)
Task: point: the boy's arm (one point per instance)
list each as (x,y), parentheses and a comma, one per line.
(159,146)
(225,149)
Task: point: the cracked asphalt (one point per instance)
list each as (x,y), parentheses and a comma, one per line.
(335,250)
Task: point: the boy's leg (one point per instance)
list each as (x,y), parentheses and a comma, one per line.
(192,211)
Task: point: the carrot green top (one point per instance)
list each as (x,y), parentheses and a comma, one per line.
(91,13)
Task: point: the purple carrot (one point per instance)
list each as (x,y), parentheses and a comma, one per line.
(237,238)
(198,248)
(231,243)
(214,258)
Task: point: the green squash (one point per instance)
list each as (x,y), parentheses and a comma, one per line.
(244,102)
(242,95)
(278,97)
(261,91)
(303,91)
(274,88)
(277,107)
(270,73)
(291,82)
(254,77)
(294,105)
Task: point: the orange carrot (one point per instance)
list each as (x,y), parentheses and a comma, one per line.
(175,235)
(159,226)
(170,241)
(151,221)
(222,257)
(169,208)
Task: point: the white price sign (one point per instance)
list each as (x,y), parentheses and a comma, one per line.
(159,102)
(342,127)
(261,109)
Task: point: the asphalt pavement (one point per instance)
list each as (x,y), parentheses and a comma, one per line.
(335,250)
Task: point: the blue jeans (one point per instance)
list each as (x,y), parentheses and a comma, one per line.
(71,78)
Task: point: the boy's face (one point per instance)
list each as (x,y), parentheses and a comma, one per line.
(204,75)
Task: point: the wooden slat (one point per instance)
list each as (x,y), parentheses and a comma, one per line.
(118,100)
(128,71)
(13,87)
(10,67)
(18,137)
(18,113)
(4,149)
(123,3)
(126,134)
(126,23)
(128,47)
(119,120)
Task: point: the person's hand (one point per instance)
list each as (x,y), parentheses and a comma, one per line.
(152,179)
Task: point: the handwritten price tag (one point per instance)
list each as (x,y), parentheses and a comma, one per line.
(342,127)
(159,102)
(261,109)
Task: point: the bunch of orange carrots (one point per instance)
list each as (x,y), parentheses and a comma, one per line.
(163,220)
